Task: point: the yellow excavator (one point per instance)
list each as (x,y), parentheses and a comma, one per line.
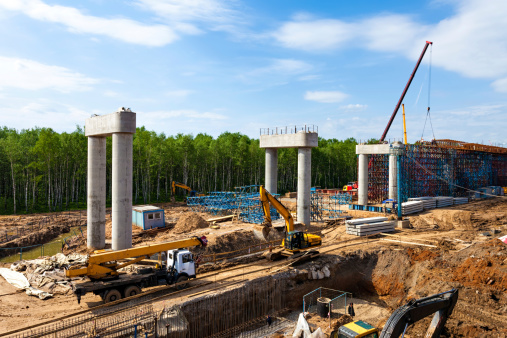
(191,192)
(295,243)
(175,266)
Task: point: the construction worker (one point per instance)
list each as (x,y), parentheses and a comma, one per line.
(268,320)
(350,310)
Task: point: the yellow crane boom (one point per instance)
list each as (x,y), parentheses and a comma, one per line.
(104,263)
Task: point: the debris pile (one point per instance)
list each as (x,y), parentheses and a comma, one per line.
(189,221)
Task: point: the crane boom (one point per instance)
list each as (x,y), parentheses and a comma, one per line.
(405,91)
(103,264)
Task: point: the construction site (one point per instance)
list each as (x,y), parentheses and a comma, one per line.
(416,247)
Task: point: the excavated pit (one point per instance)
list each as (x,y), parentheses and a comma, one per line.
(380,280)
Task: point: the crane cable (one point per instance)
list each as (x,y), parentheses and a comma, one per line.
(428,116)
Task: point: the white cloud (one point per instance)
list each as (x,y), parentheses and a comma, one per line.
(186,15)
(354,107)
(470,42)
(32,75)
(500,85)
(126,30)
(43,113)
(326,96)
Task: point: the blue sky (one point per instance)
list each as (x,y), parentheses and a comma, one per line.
(209,66)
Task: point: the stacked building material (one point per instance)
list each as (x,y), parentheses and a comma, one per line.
(444,201)
(460,200)
(428,202)
(411,207)
(369,226)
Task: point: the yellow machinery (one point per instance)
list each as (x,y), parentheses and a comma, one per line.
(104,264)
(176,269)
(191,193)
(294,242)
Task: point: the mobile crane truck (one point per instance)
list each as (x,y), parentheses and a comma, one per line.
(110,284)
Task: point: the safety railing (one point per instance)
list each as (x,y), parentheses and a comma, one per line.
(307,128)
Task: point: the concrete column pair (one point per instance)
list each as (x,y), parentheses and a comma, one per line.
(121,125)
(304,180)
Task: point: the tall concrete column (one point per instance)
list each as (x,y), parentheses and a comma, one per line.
(362,184)
(393,185)
(122,191)
(96,212)
(304,185)
(271,170)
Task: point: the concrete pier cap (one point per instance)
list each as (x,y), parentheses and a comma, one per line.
(304,138)
(363,150)
(121,125)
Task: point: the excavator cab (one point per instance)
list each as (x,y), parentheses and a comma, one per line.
(296,240)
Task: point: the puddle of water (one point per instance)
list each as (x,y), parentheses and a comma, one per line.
(47,249)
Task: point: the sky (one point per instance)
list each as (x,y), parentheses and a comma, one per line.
(211,66)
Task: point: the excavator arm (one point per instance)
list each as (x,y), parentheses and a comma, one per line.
(180,185)
(104,264)
(267,199)
(441,305)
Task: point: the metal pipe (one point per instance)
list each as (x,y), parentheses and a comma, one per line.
(404,125)
(405,91)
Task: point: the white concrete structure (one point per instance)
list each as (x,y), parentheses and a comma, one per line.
(304,141)
(304,185)
(271,170)
(121,125)
(363,150)
(362,180)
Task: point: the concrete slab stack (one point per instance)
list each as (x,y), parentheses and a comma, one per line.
(411,207)
(428,202)
(460,200)
(369,226)
(444,201)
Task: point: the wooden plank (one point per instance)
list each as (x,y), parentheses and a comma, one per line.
(414,239)
(403,242)
(220,219)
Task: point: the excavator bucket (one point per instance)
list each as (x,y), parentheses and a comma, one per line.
(262,230)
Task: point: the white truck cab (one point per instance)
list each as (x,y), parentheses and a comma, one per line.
(181,263)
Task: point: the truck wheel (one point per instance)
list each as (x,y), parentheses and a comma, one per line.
(132,291)
(112,295)
(181,279)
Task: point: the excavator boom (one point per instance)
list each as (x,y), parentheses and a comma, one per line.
(266,200)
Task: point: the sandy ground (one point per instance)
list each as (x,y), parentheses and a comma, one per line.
(455,232)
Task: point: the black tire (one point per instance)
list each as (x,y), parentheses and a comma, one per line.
(132,291)
(112,296)
(181,279)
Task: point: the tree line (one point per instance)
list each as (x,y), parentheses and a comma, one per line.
(42,170)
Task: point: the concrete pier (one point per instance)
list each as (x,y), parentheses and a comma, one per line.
(121,125)
(271,170)
(304,185)
(122,191)
(304,139)
(96,217)
(362,181)
(393,184)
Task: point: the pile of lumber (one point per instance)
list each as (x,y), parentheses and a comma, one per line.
(369,226)
(444,201)
(411,207)
(428,202)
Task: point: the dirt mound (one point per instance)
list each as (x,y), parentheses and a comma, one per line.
(189,221)
(232,241)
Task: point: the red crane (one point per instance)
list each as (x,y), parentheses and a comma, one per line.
(405,91)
